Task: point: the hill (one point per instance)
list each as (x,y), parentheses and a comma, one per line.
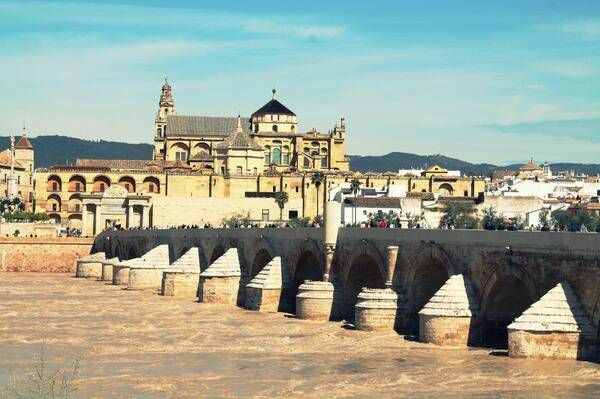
(61,150)
(394,161)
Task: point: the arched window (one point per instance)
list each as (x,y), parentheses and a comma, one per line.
(277,156)
(275,128)
(238,170)
(306,162)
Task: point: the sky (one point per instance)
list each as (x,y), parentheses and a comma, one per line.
(484,81)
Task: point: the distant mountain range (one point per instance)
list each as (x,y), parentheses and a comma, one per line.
(394,161)
(63,150)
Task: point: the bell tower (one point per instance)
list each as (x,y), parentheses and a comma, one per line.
(166,106)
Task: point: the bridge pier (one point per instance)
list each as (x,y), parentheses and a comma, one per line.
(318,300)
(90,266)
(554,327)
(380,309)
(183,277)
(265,291)
(107,269)
(220,283)
(147,272)
(450,316)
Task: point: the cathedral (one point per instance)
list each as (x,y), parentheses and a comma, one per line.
(205,169)
(268,139)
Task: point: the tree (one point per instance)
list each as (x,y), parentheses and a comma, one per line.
(492,220)
(354,187)
(281,198)
(458,215)
(543,218)
(317,179)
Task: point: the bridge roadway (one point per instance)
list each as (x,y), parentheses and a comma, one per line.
(508,270)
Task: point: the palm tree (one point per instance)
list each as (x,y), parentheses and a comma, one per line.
(317,179)
(281,198)
(354,186)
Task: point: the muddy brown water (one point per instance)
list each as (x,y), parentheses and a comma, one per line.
(139,344)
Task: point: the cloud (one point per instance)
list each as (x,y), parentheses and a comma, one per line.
(570,69)
(159,17)
(586,28)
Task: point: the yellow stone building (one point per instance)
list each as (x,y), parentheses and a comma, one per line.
(207,168)
(22,167)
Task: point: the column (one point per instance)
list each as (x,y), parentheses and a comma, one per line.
(129,215)
(96,219)
(392,256)
(329,250)
(145,216)
(84,221)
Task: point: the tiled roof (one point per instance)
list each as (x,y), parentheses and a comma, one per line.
(202,156)
(239,140)
(5,157)
(24,144)
(185,125)
(274,107)
(374,202)
(119,163)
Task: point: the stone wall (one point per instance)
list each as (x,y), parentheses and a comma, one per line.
(42,254)
(174,211)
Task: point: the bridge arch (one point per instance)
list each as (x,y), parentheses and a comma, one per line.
(304,263)
(261,257)
(508,291)
(217,251)
(426,272)
(365,268)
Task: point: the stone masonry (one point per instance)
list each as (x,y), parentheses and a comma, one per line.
(380,309)
(449,318)
(264,292)
(90,266)
(107,269)
(147,272)
(183,276)
(554,327)
(220,283)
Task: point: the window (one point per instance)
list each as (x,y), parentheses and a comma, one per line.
(127,187)
(324,162)
(77,208)
(306,162)
(54,186)
(286,159)
(274,188)
(255,171)
(256,128)
(222,171)
(238,170)
(102,187)
(292,214)
(151,188)
(267,159)
(77,186)
(54,207)
(181,155)
(275,128)
(293,128)
(265,215)
(277,156)
(297,188)
(466,193)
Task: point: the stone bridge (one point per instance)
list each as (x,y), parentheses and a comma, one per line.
(508,271)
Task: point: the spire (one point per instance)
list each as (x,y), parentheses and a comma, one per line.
(274,91)
(239,124)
